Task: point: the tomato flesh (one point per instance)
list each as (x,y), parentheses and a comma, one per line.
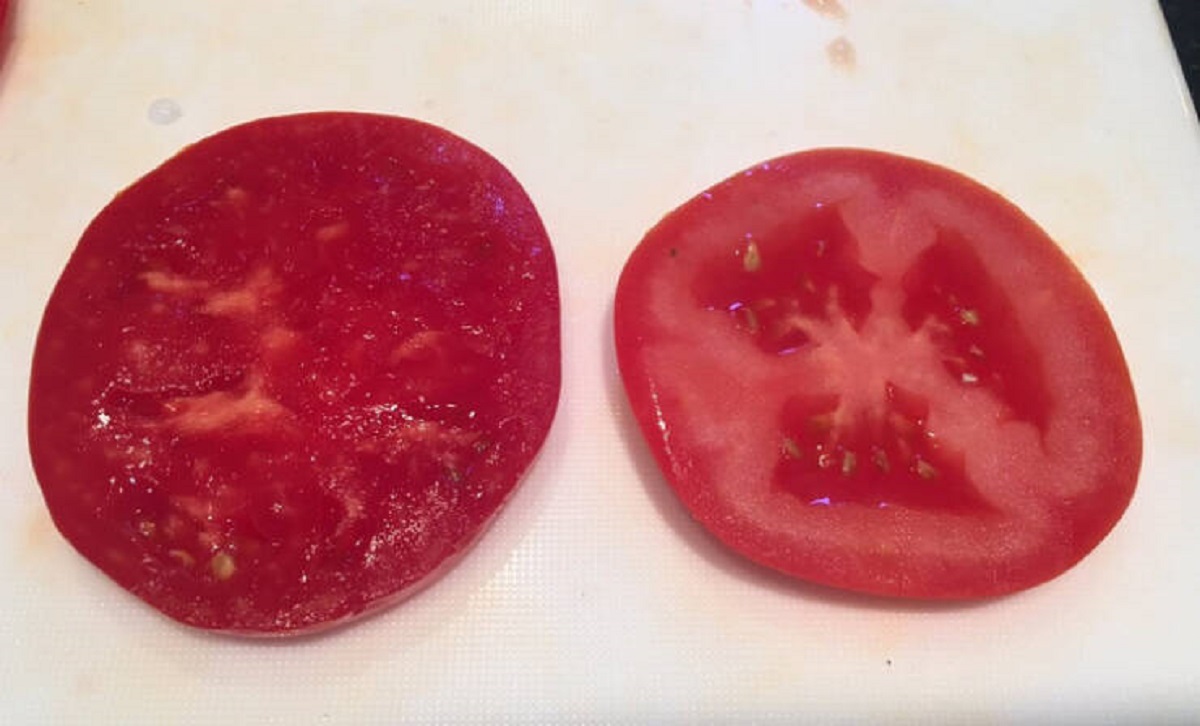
(870,372)
(292,373)
(3,28)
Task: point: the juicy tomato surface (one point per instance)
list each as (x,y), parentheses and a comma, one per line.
(873,373)
(291,373)
(3,26)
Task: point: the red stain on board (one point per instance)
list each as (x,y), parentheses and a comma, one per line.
(841,53)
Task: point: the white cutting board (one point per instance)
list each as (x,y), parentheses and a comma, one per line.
(594,597)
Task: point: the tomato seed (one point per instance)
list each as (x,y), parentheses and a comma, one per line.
(223,566)
(821,423)
(849,463)
(751,319)
(751,261)
(880,459)
(236,196)
(330,232)
(903,427)
(791,448)
(925,470)
(969,317)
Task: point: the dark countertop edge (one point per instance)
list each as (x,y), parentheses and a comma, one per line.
(1183,20)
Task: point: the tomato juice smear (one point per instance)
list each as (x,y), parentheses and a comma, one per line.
(881,412)
(289,376)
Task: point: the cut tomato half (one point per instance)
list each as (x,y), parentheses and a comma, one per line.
(292,373)
(873,373)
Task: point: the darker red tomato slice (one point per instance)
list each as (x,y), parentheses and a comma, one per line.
(4,30)
(293,372)
(873,373)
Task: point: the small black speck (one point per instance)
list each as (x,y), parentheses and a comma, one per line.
(674,252)
(888,662)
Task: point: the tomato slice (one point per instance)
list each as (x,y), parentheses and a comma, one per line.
(292,373)
(3,28)
(873,373)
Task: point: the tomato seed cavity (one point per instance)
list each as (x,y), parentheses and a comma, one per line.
(809,272)
(825,446)
(954,299)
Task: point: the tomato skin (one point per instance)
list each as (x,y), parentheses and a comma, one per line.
(1038,447)
(288,377)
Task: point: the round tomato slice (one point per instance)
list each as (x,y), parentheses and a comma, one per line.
(873,373)
(292,373)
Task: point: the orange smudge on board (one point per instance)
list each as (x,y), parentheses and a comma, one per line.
(828,8)
(39,533)
(841,53)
